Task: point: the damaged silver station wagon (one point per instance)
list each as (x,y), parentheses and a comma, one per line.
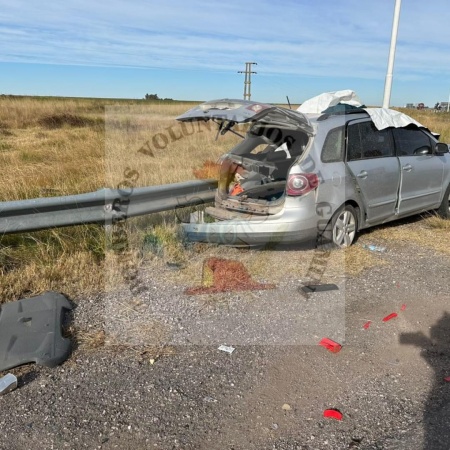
(320,175)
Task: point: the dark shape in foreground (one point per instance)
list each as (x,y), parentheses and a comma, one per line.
(308,289)
(30,331)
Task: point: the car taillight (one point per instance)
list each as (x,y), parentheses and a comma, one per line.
(301,183)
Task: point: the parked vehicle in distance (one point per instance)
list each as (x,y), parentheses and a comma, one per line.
(299,177)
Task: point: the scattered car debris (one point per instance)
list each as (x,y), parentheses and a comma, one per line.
(227,349)
(8,383)
(175,266)
(367,324)
(210,400)
(224,275)
(390,316)
(355,442)
(286,407)
(375,248)
(330,345)
(403,307)
(333,414)
(310,288)
(447,379)
(30,331)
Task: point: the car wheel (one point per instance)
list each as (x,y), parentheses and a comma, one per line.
(444,209)
(341,231)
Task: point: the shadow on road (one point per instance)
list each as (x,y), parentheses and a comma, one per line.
(436,351)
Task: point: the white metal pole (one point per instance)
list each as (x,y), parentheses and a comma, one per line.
(448,104)
(388,84)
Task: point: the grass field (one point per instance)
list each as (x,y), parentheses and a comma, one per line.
(52,146)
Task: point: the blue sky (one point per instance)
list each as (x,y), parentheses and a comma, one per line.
(192,50)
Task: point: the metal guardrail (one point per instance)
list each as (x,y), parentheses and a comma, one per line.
(103,206)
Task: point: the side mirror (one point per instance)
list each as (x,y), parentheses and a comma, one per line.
(440,149)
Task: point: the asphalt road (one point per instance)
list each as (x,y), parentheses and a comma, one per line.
(270,393)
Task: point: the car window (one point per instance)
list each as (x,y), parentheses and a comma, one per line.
(333,147)
(365,141)
(271,144)
(410,142)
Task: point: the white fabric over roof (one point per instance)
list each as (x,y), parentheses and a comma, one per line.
(381,117)
(320,103)
(385,118)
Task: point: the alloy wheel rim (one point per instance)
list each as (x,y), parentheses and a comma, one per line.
(344,229)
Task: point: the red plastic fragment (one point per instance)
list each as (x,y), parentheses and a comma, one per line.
(367,325)
(390,316)
(330,345)
(403,307)
(333,414)
(447,379)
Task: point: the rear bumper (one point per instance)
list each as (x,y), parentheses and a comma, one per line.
(296,223)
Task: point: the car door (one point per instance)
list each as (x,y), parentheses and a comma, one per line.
(371,160)
(421,171)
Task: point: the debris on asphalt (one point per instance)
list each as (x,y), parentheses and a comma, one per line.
(308,289)
(224,275)
(447,379)
(367,324)
(330,345)
(375,248)
(210,400)
(390,316)
(8,383)
(333,414)
(227,349)
(286,407)
(403,307)
(31,331)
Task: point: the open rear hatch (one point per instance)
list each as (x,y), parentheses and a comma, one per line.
(253,174)
(242,111)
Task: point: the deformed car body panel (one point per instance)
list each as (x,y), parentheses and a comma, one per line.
(243,111)
(298,224)
(245,218)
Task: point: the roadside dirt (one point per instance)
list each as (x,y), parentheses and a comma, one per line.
(165,385)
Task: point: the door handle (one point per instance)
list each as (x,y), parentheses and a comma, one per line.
(407,168)
(362,174)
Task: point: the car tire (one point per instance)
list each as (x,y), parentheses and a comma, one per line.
(444,209)
(341,230)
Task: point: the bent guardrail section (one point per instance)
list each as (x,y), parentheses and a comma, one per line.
(103,206)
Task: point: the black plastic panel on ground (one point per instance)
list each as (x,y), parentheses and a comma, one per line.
(30,331)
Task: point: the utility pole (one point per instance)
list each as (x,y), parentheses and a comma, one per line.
(248,79)
(388,84)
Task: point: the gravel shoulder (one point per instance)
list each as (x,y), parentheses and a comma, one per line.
(160,382)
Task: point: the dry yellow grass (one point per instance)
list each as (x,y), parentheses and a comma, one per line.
(51,147)
(436,122)
(54,146)
(431,232)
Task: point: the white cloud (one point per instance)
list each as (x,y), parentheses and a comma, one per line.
(347,39)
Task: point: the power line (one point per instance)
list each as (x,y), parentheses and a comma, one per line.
(248,79)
